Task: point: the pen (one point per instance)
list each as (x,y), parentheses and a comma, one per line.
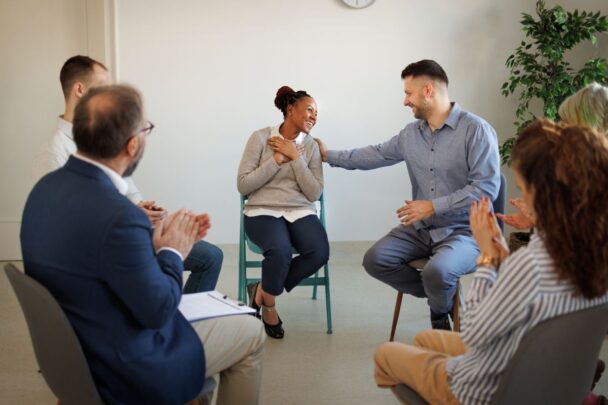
(225,302)
(240,304)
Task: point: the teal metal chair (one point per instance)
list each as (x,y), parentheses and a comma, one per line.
(245,245)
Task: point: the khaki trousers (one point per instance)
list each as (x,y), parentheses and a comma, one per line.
(233,348)
(420,366)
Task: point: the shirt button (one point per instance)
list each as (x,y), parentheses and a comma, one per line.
(432,189)
(431,169)
(432,150)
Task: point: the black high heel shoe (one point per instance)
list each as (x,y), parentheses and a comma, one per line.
(252,290)
(274,331)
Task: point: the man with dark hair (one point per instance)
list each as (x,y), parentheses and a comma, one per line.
(452,160)
(78,75)
(119,281)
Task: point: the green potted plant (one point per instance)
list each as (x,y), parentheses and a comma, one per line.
(540,72)
(538,69)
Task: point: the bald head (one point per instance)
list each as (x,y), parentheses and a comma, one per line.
(105,119)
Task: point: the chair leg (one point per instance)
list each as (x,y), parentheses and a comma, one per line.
(242,293)
(456,308)
(314,288)
(327,301)
(396,315)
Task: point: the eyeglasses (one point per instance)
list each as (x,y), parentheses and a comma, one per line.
(147,130)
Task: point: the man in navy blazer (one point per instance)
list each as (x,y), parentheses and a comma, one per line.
(120,282)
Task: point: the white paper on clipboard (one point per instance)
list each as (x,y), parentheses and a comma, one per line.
(210,304)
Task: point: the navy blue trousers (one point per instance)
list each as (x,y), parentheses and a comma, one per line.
(276,237)
(205,262)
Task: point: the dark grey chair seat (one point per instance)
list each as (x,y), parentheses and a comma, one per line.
(554,363)
(57,347)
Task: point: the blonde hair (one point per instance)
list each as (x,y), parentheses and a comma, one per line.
(588,106)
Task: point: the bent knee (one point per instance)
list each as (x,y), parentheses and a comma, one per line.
(321,254)
(371,261)
(434,278)
(384,351)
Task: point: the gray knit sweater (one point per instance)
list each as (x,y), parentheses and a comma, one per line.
(292,185)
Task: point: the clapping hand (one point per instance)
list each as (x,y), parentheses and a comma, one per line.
(486,231)
(522,219)
(178,231)
(154,212)
(204,223)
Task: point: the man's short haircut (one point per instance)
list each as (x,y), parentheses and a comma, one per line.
(77,68)
(425,67)
(105,119)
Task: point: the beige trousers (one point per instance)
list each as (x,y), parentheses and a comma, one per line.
(420,366)
(233,348)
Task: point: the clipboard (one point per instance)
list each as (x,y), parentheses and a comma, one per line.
(210,304)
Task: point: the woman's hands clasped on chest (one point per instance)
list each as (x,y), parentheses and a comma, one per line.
(284,150)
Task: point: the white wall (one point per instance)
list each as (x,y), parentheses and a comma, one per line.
(209,70)
(36,37)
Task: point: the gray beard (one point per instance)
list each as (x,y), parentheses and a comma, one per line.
(131,169)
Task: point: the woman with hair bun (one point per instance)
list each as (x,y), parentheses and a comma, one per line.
(281,174)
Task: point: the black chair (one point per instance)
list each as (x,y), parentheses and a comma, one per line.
(554,363)
(57,348)
(499,206)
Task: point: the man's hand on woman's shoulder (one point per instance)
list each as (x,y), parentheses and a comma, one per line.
(322,149)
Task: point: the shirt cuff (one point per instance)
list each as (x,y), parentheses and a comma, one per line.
(171,250)
(440,205)
(486,273)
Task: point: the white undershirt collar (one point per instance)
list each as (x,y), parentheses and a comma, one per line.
(274,131)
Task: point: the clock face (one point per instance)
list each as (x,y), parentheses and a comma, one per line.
(358,3)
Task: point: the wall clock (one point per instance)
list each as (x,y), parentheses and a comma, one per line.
(358,3)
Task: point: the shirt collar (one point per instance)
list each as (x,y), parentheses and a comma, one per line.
(451,121)
(65,127)
(115,178)
(454,116)
(274,131)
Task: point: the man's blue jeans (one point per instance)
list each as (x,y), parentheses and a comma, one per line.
(205,263)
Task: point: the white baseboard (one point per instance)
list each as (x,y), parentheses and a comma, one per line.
(10,248)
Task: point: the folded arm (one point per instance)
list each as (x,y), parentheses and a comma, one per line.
(495,305)
(254,173)
(309,177)
(149,285)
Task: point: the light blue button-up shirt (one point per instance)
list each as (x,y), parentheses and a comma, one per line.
(452,166)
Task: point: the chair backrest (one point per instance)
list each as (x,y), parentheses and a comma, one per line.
(56,346)
(555,361)
(499,204)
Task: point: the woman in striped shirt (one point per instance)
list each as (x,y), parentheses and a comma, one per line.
(562,172)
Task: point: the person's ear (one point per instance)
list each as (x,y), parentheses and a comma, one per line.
(428,90)
(132,146)
(79,89)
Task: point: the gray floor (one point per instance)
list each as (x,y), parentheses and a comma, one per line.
(307,367)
